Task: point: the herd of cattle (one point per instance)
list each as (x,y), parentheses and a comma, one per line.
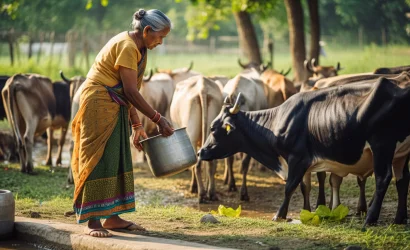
(348,124)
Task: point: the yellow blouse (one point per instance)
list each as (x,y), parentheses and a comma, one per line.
(119,51)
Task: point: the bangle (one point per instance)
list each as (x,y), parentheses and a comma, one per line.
(136,125)
(156,112)
(156,119)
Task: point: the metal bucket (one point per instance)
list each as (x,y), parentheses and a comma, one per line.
(7,208)
(169,155)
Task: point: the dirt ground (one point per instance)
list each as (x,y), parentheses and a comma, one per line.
(266,192)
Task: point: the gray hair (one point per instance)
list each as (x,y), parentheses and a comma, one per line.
(154,18)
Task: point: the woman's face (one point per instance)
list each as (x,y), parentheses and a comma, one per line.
(154,38)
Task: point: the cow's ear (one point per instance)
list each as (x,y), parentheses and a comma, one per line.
(229,127)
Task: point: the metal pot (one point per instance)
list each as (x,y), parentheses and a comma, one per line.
(169,155)
(7,208)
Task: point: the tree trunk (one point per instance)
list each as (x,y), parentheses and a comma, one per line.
(314,29)
(30,44)
(11,47)
(247,36)
(296,38)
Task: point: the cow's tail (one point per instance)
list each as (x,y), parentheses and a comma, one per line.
(204,105)
(12,112)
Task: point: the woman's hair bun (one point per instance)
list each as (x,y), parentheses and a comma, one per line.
(139,14)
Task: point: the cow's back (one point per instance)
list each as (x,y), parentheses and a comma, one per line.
(277,87)
(252,91)
(195,104)
(36,89)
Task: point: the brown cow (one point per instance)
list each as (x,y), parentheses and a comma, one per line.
(281,88)
(31,108)
(321,71)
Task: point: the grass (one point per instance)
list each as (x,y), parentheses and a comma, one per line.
(166,200)
(353,60)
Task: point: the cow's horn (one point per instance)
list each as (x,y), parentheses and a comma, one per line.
(307,66)
(338,66)
(147,78)
(312,64)
(235,109)
(287,72)
(190,66)
(227,100)
(63,77)
(240,64)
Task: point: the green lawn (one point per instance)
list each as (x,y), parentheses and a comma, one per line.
(353,60)
(166,200)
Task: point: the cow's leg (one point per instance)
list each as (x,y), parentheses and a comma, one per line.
(402,186)
(321,198)
(211,169)
(50,133)
(361,204)
(230,176)
(335,182)
(305,187)
(23,156)
(193,187)
(297,169)
(245,166)
(29,141)
(382,158)
(200,184)
(61,144)
(70,177)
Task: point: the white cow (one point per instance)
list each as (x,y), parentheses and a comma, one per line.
(195,104)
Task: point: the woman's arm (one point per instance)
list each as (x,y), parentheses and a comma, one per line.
(129,80)
(134,116)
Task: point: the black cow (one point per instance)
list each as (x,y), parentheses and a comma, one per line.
(3,80)
(394,70)
(333,124)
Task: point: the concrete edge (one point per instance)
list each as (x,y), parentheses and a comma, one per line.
(57,235)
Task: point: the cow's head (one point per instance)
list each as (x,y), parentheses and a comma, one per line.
(74,82)
(224,139)
(180,74)
(321,71)
(260,67)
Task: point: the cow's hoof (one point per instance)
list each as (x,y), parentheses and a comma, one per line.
(370,222)
(193,190)
(213,197)
(400,221)
(232,188)
(244,197)
(360,213)
(48,163)
(280,219)
(202,200)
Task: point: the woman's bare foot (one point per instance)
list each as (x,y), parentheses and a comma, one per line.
(95,229)
(115,222)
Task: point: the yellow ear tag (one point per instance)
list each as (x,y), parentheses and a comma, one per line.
(228,128)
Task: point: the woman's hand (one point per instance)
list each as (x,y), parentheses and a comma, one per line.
(138,133)
(164,127)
